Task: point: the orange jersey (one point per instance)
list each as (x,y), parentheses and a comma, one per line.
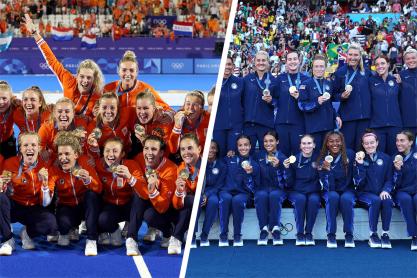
(118,190)
(161,197)
(24,124)
(70,190)
(191,184)
(1,163)
(48,131)
(120,129)
(128,98)
(83,103)
(200,129)
(6,124)
(25,181)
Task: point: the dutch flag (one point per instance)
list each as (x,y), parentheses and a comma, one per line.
(62,33)
(5,40)
(89,41)
(183,28)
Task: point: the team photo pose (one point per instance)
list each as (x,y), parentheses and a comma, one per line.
(405,182)
(243,177)
(336,173)
(373,181)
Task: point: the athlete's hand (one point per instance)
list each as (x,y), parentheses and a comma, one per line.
(123,172)
(267,99)
(325,165)
(179,119)
(295,94)
(230,153)
(162,116)
(180,183)
(398,164)
(339,122)
(321,99)
(398,78)
(384,195)
(345,94)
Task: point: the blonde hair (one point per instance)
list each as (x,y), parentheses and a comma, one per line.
(129,56)
(98,82)
(358,47)
(38,92)
(62,100)
(5,87)
(198,94)
(147,94)
(67,138)
(410,50)
(29,133)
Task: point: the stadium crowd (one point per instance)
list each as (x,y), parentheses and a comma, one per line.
(128,17)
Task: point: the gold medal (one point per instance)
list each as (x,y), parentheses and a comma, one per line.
(398,158)
(7,174)
(360,155)
(149,172)
(76,172)
(184,174)
(97,133)
(348,88)
(245,164)
(270,157)
(293,89)
(292,159)
(139,128)
(113,168)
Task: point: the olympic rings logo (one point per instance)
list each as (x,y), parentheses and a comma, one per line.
(159,21)
(177,66)
(44,66)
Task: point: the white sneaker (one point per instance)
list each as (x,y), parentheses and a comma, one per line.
(7,247)
(74,235)
(165,242)
(132,247)
(104,239)
(51,238)
(82,228)
(152,234)
(116,238)
(63,240)
(174,247)
(90,247)
(27,242)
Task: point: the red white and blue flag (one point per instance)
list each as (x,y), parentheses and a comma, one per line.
(183,28)
(62,33)
(89,41)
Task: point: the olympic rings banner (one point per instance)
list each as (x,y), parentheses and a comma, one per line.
(166,20)
(24,57)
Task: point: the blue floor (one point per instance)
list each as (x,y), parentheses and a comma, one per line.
(161,82)
(50,260)
(292,261)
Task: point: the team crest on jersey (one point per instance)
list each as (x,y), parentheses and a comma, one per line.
(61,181)
(104,179)
(158,132)
(233,86)
(379,162)
(391,83)
(302,87)
(415,155)
(215,171)
(24,180)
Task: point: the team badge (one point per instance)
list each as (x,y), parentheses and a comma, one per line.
(391,83)
(415,155)
(302,87)
(104,179)
(24,180)
(61,181)
(234,86)
(379,162)
(215,171)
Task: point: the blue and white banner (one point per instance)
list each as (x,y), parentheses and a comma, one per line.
(5,40)
(183,28)
(62,33)
(168,21)
(89,41)
(175,66)
(206,66)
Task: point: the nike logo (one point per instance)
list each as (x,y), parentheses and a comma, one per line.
(233,162)
(376,84)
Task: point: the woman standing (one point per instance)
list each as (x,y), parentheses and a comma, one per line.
(405,182)
(243,177)
(373,181)
(335,173)
(386,114)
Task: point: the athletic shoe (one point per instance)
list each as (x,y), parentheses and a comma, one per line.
(204,242)
(374,241)
(74,235)
(276,237)
(237,241)
(263,237)
(116,238)
(104,239)
(414,243)
(63,240)
(385,242)
(193,243)
(165,242)
(349,241)
(27,242)
(331,241)
(151,234)
(90,247)
(174,247)
(300,240)
(52,238)
(309,240)
(82,228)
(125,228)
(223,241)
(7,247)
(132,247)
